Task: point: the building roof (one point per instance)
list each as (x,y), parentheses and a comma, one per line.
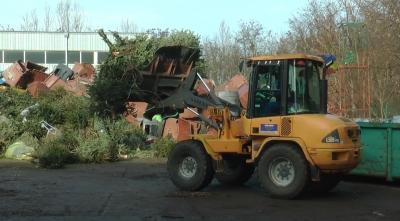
(41,41)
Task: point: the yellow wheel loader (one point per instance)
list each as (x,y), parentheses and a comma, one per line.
(285,131)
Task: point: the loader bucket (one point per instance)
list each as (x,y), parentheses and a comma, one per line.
(169,68)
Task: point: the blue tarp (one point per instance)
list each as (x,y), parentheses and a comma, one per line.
(1,76)
(328,57)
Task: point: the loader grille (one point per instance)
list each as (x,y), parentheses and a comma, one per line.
(286,128)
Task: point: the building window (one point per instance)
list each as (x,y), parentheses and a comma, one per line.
(101,56)
(1,57)
(35,56)
(12,56)
(55,57)
(87,57)
(74,56)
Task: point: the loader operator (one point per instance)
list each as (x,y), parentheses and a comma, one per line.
(273,106)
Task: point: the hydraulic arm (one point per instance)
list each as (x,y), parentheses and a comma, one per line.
(186,97)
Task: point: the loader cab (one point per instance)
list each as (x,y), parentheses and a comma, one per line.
(287,86)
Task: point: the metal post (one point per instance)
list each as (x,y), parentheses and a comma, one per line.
(66,35)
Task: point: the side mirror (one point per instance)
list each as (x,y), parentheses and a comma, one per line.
(241,66)
(248,63)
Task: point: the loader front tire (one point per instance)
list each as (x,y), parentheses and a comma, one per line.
(235,171)
(190,167)
(283,171)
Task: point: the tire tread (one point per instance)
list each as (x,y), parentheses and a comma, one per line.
(207,172)
(304,179)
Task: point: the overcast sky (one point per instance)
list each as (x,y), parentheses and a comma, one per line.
(203,17)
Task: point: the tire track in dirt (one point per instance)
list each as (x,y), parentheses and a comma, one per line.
(104,205)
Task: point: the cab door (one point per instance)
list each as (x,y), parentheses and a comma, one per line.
(263,114)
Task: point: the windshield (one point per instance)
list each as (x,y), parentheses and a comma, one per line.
(285,88)
(304,82)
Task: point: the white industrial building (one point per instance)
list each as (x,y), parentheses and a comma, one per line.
(52,48)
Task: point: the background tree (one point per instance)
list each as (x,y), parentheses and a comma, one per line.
(48,18)
(315,29)
(30,21)
(67,16)
(179,37)
(221,55)
(383,20)
(6,28)
(128,26)
(70,17)
(252,38)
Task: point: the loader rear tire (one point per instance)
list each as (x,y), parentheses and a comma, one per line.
(283,171)
(235,171)
(190,166)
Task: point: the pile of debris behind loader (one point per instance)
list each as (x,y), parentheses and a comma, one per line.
(166,74)
(32,77)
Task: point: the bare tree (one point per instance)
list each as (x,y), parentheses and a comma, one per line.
(386,84)
(128,26)
(30,21)
(70,17)
(383,17)
(252,38)
(48,18)
(66,17)
(314,29)
(6,28)
(221,55)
